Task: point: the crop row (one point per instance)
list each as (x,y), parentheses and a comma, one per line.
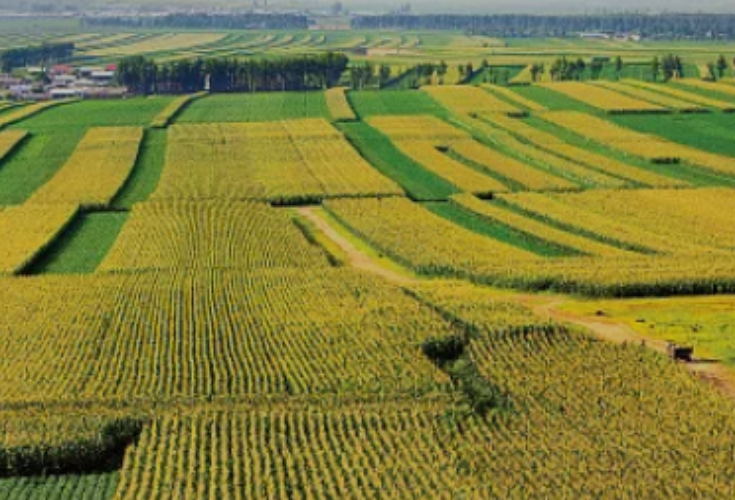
(281,162)
(650,147)
(553,144)
(96,171)
(601,98)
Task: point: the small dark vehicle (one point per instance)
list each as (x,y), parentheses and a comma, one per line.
(680,353)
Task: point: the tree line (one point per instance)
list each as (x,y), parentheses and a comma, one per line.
(669,26)
(203,21)
(39,55)
(145,76)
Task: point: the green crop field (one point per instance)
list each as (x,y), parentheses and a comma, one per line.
(255,108)
(450,291)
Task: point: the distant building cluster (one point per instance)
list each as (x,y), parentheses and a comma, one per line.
(61,82)
(611,35)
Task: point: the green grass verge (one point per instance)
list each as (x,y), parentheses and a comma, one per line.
(54,134)
(500,232)
(710,132)
(694,176)
(35,162)
(83,245)
(97,113)
(419,183)
(64,487)
(255,107)
(369,103)
(555,101)
(712,94)
(147,172)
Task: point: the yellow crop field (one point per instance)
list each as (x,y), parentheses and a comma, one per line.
(465,100)
(9,140)
(658,98)
(728,90)
(603,99)
(422,127)
(553,144)
(635,143)
(26,230)
(683,95)
(514,97)
(533,179)
(527,225)
(339,107)
(27,111)
(555,165)
(209,235)
(587,214)
(421,240)
(163,119)
(94,174)
(426,140)
(151,337)
(158,43)
(369,303)
(280,162)
(465,178)
(701,214)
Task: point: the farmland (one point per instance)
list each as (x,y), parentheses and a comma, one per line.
(368,293)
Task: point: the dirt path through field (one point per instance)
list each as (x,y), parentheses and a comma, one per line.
(356,257)
(709,371)
(607,329)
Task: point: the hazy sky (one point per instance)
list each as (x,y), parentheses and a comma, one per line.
(434,6)
(553,6)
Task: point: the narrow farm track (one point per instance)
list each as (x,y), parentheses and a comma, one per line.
(356,257)
(711,372)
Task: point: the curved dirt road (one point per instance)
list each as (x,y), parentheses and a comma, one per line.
(713,373)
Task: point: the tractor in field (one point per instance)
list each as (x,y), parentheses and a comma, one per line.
(679,352)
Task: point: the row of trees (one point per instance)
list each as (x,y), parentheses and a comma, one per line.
(145,76)
(717,69)
(563,69)
(670,66)
(674,26)
(40,55)
(269,21)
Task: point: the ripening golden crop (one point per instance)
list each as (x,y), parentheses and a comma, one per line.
(648,146)
(96,171)
(162,119)
(280,162)
(604,99)
(465,99)
(26,230)
(338,105)
(658,98)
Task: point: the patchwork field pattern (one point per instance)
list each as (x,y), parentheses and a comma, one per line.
(219,350)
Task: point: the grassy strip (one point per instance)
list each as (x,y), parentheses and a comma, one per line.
(711,133)
(333,252)
(82,246)
(555,101)
(389,102)
(513,185)
(419,183)
(484,227)
(64,487)
(365,247)
(697,177)
(255,107)
(39,157)
(147,172)
(570,228)
(167,116)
